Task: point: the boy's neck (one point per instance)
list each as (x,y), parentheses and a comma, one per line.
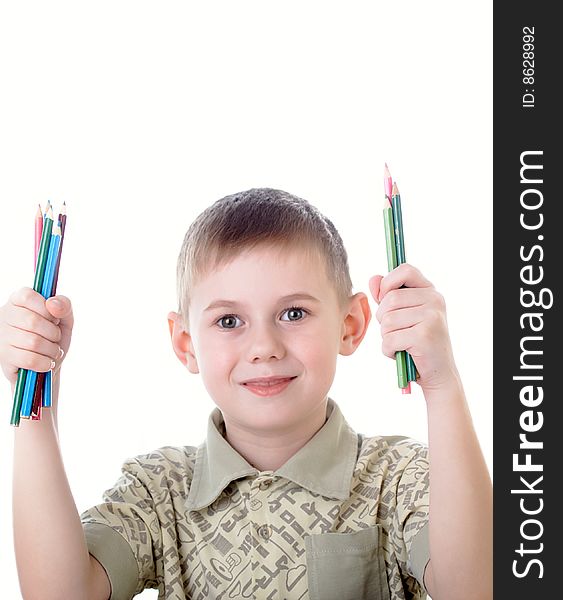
(269,452)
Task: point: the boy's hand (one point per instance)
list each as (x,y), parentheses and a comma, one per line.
(33,331)
(413,318)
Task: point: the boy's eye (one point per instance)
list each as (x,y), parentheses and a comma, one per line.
(294,313)
(227,321)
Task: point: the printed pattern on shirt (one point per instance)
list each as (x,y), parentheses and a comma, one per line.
(250,541)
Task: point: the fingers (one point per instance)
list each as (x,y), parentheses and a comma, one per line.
(402,319)
(403,298)
(396,341)
(31,300)
(404,275)
(24,359)
(374,285)
(407,314)
(30,336)
(25,340)
(412,315)
(31,322)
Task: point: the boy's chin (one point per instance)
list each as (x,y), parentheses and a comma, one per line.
(278,413)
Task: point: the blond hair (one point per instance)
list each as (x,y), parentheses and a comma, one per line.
(258,217)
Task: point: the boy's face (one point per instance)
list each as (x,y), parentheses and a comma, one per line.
(269,331)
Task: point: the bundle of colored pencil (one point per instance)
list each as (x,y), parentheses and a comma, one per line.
(33,390)
(395,242)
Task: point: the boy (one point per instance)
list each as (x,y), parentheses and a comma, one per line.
(283,500)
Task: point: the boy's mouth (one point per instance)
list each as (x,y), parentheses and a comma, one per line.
(268,386)
(268,380)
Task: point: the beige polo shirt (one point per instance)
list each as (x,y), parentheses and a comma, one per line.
(344,518)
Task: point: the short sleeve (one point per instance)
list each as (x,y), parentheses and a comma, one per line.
(124,534)
(411,516)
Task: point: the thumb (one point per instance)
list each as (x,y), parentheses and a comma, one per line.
(374,286)
(61,308)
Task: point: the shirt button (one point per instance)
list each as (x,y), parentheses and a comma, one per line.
(264,532)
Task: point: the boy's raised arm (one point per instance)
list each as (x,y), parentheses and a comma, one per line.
(413,318)
(461,501)
(51,553)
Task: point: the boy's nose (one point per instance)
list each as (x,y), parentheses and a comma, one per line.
(265,343)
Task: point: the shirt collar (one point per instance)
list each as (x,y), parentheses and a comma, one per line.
(332,451)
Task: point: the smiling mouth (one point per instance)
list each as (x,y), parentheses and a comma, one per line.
(268,382)
(268,387)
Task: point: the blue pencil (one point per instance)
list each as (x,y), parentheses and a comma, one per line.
(47,381)
(52,272)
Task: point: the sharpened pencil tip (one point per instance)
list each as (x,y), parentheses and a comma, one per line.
(387,202)
(39,211)
(395,189)
(387,182)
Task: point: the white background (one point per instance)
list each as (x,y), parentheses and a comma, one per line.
(141,114)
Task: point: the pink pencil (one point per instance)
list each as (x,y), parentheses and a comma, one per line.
(36,406)
(387,183)
(38,231)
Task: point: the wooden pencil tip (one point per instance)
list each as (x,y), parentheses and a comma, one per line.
(39,211)
(50,211)
(395,189)
(63,209)
(386,172)
(386,202)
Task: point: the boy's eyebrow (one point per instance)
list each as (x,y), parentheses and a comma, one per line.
(232,303)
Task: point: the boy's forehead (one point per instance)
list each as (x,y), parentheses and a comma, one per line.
(279,268)
(277,258)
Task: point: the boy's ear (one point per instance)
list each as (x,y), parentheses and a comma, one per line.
(355,324)
(182,342)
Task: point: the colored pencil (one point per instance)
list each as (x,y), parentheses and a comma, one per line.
(48,381)
(48,292)
(387,182)
(388,187)
(43,250)
(400,358)
(37,397)
(38,231)
(401,257)
(62,220)
(29,391)
(37,283)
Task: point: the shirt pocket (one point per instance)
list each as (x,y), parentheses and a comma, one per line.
(347,566)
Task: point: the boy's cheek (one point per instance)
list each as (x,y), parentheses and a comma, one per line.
(216,363)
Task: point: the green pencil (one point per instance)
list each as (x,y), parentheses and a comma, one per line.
(37,284)
(400,357)
(401,258)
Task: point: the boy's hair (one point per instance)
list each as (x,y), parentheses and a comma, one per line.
(258,217)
